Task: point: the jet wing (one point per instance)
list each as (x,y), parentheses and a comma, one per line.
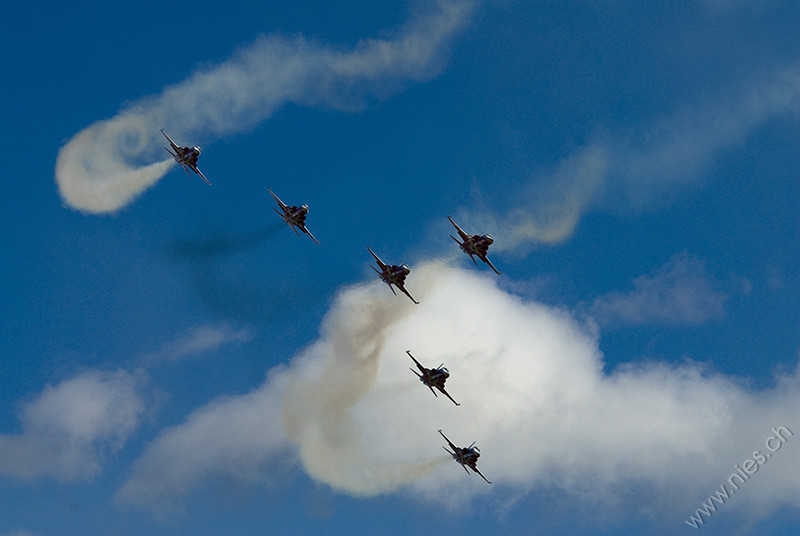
(404,291)
(420,367)
(197,170)
(309,234)
(441,390)
(172,143)
(379,261)
(448,442)
(280,203)
(461,233)
(487,261)
(483,477)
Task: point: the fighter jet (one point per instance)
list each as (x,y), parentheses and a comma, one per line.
(474,245)
(185,156)
(467,456)
(393,275)
(293,216)
(433,377)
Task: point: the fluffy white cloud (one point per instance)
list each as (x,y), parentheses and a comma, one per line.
(534,396)
(69,428)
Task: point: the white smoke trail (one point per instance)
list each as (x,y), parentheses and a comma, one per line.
(329,380)
(533,395)
(629,173)
(108,164)
(93,170)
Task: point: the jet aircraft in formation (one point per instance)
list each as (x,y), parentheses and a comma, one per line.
(466,456)
(393,275)
(294,216)
(474,245)
(185,156)
(433,377)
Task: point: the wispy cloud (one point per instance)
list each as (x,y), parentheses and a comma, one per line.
(632,171)
(69,428)
(534,396)
(110,163)
(238,437)
(679,292)
(200,340)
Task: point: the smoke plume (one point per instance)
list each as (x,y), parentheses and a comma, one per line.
(107,165)
(634,171)
(534,396)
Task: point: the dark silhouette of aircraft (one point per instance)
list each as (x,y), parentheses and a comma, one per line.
(295,217)
(477,245)
(433,377)
(466,456)
(185,156)
(393,275)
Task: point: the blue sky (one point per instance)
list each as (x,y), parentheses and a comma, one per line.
(176,361)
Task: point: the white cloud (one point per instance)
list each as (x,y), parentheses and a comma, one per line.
(108,164)
(236,437)
(69,428)
(534,396)
(679,292)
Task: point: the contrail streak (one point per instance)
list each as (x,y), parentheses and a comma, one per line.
(626,173)
(110,163)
